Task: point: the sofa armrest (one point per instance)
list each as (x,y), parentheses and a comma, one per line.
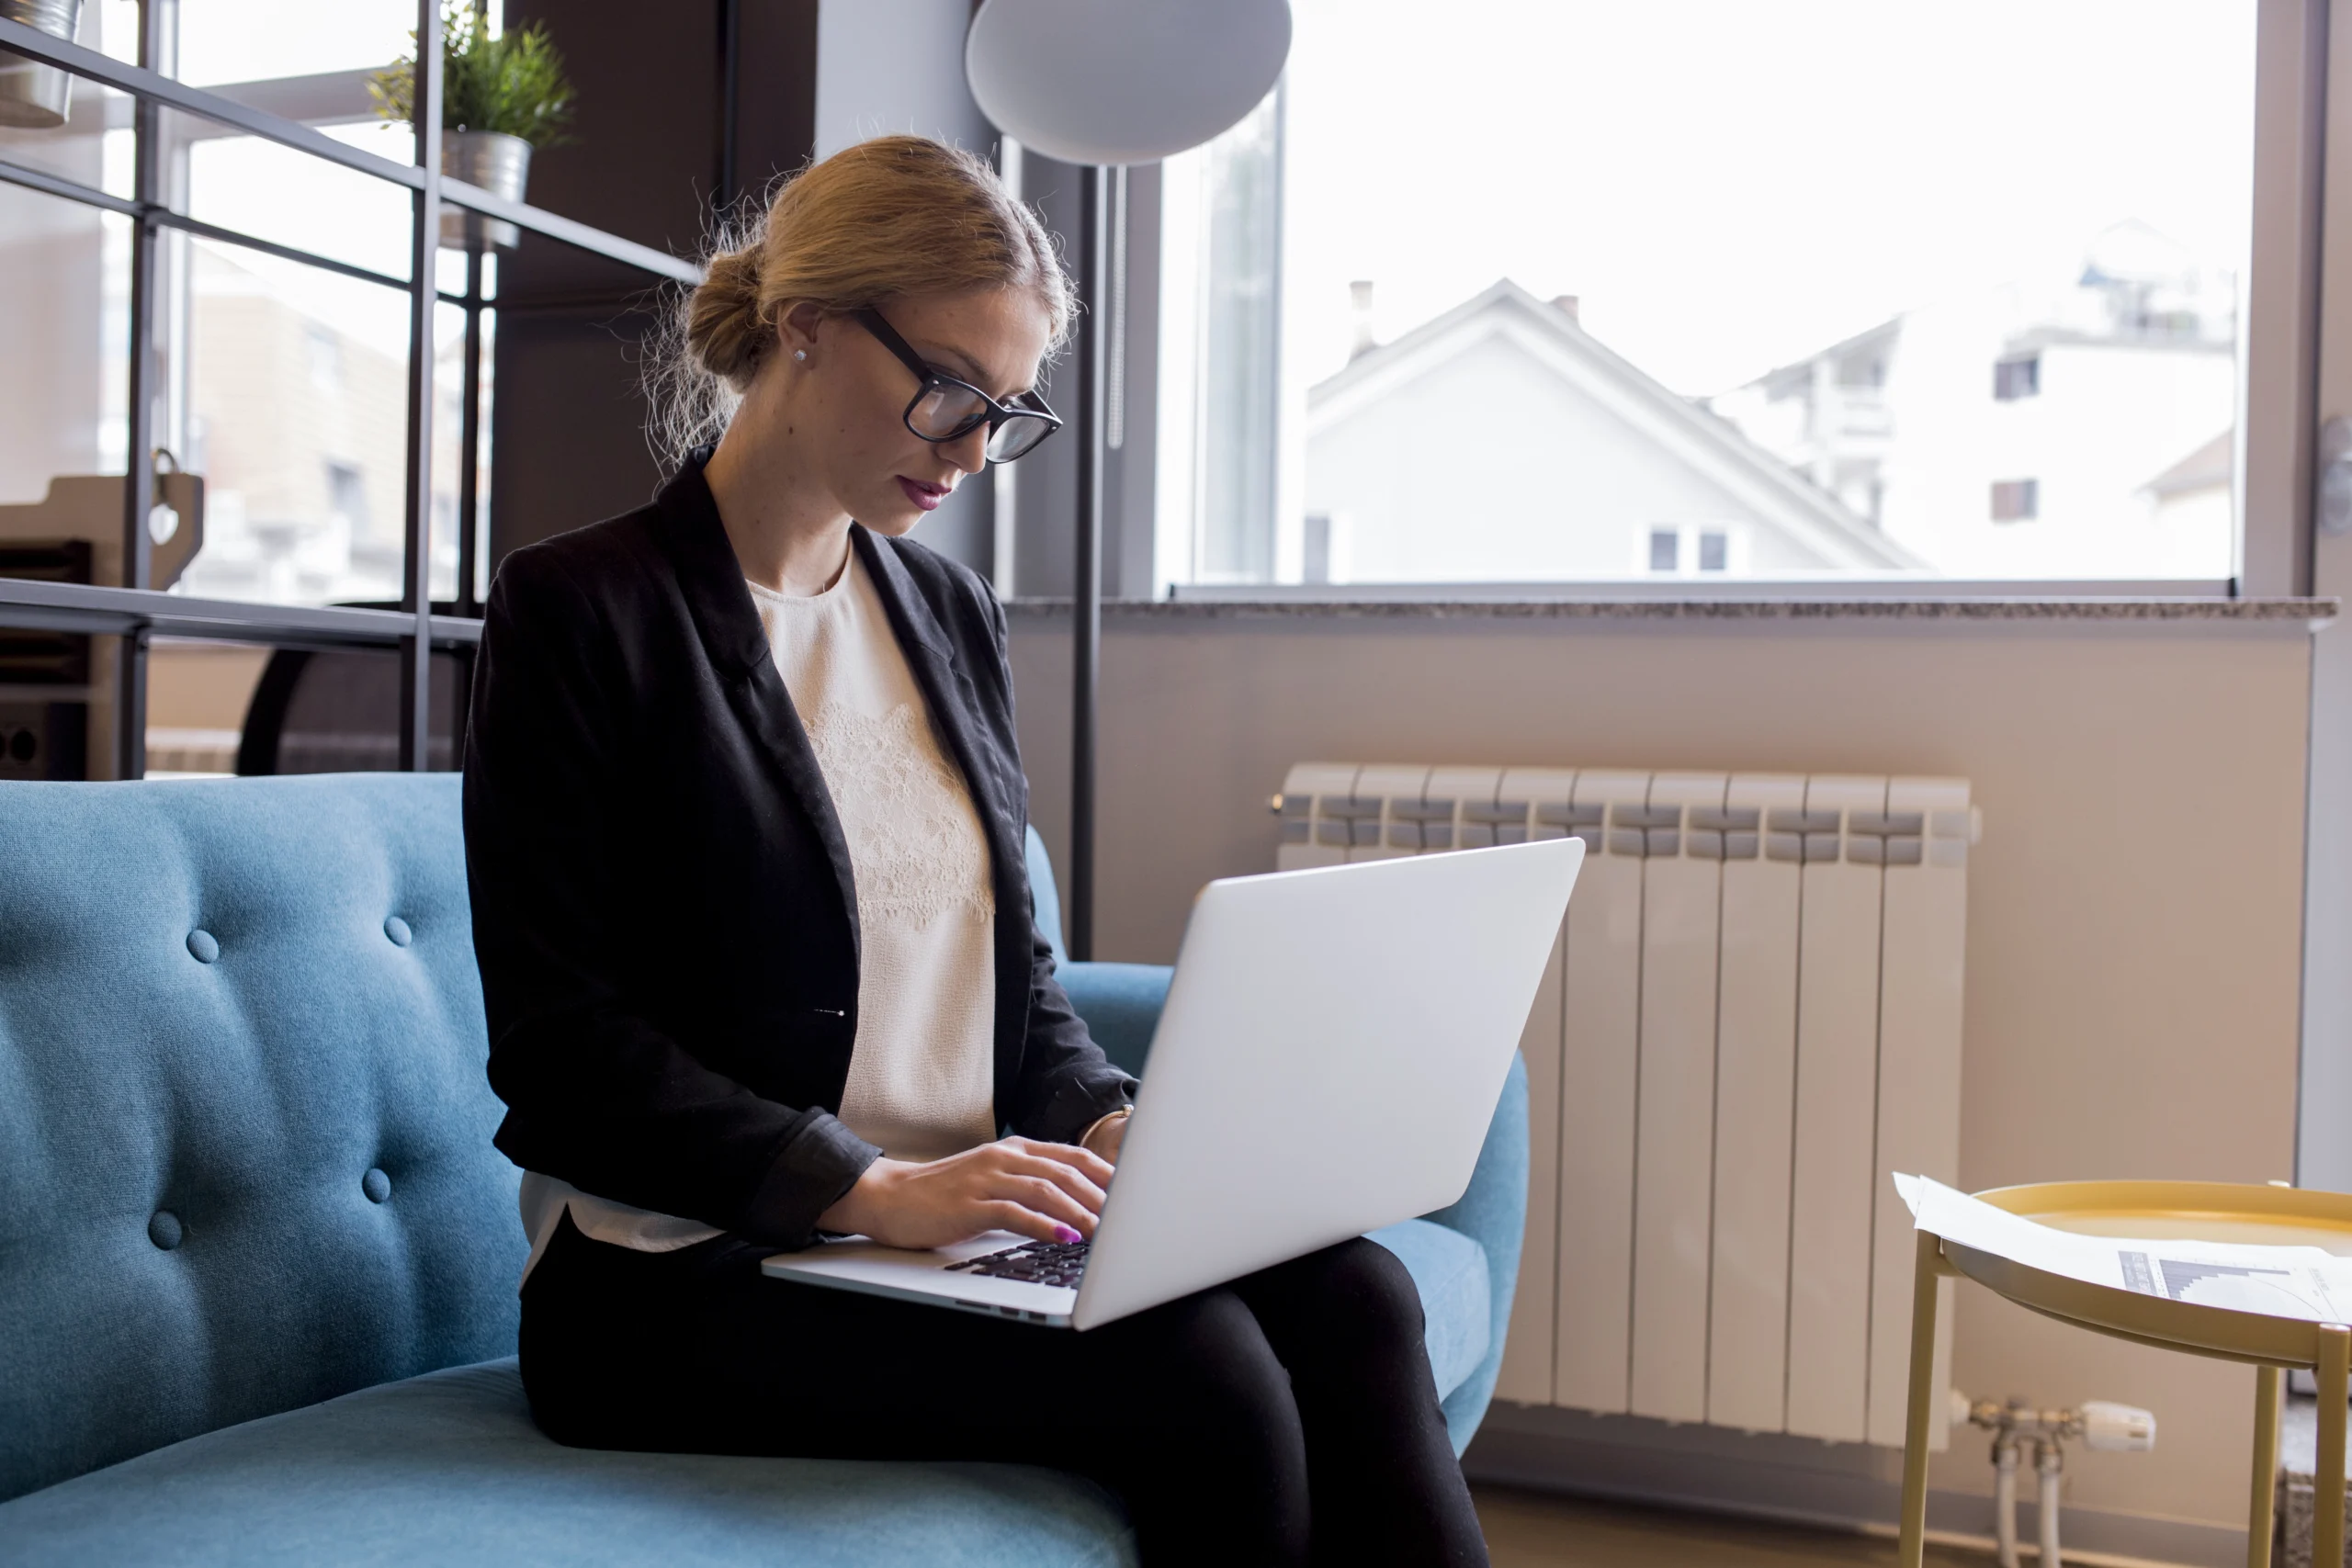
(1120,1003)
(1493,1213)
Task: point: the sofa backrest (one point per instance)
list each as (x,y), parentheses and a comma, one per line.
(245,1132)
(1044,894)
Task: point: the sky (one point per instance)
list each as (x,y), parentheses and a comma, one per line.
(1730,185)
(1726,185)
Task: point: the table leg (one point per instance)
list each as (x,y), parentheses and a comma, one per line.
(1924,1275)
(2262,1515)
(2327,1476)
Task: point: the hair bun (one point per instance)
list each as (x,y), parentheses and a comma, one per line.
(896,217)
(724,332)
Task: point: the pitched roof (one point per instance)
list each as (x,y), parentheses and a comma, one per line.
(2210,466)
(1777,493)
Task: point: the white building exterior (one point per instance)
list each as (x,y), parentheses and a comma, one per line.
(2021,432)
(300,430)
(1501,442)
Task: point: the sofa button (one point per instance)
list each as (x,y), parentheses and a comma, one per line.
(377,1185)
(164,1228)
(397,928)
(202,946)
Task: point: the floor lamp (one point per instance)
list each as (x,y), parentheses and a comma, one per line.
(1101,84)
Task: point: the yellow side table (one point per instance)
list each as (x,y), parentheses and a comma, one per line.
(2160,1211)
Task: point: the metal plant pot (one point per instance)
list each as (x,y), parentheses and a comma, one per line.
(33,95)
(496,162)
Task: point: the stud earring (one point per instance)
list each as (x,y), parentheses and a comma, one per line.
(800,354)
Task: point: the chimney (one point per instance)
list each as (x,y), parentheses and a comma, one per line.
(1566,304)
(1360,298)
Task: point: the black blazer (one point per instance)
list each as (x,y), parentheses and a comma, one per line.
(662,901)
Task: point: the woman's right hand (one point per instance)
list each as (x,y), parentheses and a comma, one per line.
(1045,1191)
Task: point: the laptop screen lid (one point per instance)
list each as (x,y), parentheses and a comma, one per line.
(1331,1054)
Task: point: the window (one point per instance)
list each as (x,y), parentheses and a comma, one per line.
(1220,403)
(1705,551)
(326,358)
(1514,329)
(1714,549)
(1316,566)
(347,497)
(271,355)
(2015,378)
(2015,500)
(284,385)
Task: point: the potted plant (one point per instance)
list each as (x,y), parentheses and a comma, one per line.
(501,97)
(33,95)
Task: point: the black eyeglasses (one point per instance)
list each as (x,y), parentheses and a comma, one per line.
(946,409)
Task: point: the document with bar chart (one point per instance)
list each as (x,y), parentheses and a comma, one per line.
(2276,1281)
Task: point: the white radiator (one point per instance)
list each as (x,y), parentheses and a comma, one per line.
(1752,1016)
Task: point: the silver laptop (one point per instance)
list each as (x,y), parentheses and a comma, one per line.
(1333,1047)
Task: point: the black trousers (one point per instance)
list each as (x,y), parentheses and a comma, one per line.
(1288,1417)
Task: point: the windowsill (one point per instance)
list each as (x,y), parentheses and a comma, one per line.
(1599,605)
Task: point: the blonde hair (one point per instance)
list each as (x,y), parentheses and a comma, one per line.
(894,216)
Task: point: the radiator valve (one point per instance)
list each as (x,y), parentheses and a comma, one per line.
(2103,1425)
(2018,1427)
(2116,1428)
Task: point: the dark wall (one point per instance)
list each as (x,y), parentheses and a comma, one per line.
(650,161)
(649,153)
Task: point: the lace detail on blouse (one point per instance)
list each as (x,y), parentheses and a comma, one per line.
(907,814)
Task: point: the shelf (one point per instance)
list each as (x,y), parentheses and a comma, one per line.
(75,607)
(34,44)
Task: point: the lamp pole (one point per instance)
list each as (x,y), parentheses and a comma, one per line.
(1086,607)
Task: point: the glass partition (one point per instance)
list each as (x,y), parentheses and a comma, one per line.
(227,341)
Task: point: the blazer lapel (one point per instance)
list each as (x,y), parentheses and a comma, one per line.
(711,579)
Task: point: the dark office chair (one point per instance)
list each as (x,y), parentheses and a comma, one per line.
(338,711)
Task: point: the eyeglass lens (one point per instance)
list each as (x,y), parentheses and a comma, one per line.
(1015,437)
(947,411)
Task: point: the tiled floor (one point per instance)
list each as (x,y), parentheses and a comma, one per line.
(1526,1530)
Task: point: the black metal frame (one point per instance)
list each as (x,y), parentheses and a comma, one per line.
(929,378)
(134,612)
(1086,609)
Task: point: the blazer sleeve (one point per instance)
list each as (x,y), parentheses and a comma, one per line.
(597,1096)
(1065,1084)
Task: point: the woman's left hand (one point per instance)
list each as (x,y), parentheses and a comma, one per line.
(1104,1139)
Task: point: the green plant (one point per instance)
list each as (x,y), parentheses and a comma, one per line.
(513,83)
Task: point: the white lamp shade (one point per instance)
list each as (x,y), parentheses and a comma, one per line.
(1122,81)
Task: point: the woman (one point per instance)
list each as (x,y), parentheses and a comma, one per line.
(744,819)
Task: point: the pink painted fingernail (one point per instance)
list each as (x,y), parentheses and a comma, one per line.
(1064,1233)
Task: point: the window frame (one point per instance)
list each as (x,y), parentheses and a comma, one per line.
(135,612)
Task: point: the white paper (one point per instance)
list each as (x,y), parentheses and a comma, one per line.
(2305,1282)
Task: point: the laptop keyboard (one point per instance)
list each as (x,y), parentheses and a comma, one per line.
(1033,1262)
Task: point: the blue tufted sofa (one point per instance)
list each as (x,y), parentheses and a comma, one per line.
(257,1256)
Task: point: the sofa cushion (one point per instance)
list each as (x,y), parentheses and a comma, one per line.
(1451,1270)
(1121,1005)
(246,1158)
(448,1469)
